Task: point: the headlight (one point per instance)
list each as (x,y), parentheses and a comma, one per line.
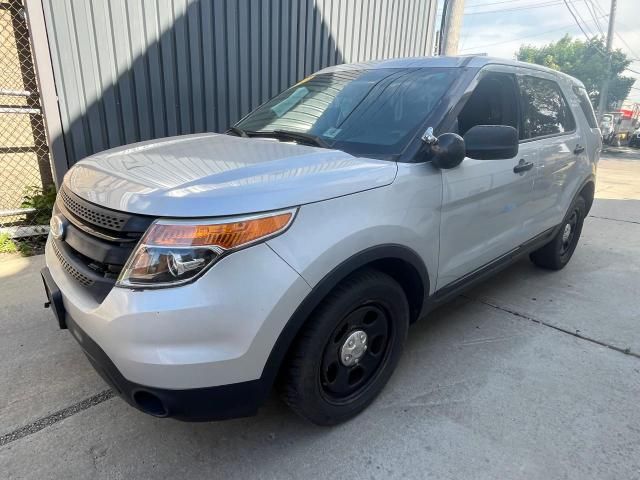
(173,252)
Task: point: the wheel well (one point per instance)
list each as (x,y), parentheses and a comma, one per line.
(409,279)
(588,192)
(400,263)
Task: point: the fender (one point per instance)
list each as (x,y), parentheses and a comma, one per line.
(320,291)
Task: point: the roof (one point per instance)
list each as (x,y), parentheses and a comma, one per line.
(473,61)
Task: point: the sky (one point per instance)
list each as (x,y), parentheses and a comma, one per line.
(512,23)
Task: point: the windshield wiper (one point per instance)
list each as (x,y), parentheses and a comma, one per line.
(299,137)
(237,131)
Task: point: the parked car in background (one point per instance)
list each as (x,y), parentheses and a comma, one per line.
(634,141)
(607,128)
(198,271)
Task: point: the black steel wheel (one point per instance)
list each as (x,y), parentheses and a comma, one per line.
(347,350)
(355,352)
(557,253)
(569,233)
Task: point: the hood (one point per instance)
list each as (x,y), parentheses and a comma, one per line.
(215,175)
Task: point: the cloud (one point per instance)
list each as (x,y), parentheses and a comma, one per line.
(501,33)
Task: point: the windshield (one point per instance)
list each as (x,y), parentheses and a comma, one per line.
(363,112)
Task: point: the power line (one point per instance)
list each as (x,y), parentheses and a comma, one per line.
(516,9)
(508,1)
(592,12)
(564,27)
(577,10)
(576,19)
(494,3)
(597,7)
(550,3)
(626,44)
(628,29)
(585,33)
(502,2)
(467,29)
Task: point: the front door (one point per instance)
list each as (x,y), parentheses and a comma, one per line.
(485,202)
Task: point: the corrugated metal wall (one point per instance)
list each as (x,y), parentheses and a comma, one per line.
(133,70)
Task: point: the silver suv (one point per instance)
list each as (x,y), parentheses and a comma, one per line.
(295,250)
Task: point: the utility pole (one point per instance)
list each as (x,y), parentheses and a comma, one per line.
(604,91)
(453,11)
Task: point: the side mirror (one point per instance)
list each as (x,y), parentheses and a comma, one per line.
(448,151)
(491,142)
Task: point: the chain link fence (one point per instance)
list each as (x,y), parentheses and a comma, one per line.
(27,188)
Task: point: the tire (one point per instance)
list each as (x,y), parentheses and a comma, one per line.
(316,383)
(556,254)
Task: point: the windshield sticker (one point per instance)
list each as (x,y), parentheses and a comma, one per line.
(331,132)
(291,101)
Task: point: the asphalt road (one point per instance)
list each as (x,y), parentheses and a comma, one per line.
(534,375)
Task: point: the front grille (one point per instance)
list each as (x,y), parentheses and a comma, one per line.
(97,243)
(91,215)
(70,269)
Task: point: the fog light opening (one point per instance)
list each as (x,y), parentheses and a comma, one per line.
(149,403)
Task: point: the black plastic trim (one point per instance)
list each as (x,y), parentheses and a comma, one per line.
(127,222)
(193,404)
(320,291)
(96,249)
(100,285)
(590,179)
(457,287)
(54,298)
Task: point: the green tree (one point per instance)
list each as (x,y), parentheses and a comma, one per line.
(585,60)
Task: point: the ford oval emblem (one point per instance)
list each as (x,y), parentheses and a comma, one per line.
(57,227)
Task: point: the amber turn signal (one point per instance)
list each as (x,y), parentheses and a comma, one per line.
(227,236)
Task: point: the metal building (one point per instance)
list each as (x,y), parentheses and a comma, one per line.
(126,71)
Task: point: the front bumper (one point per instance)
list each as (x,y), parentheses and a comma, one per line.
(195,404)
(195,352)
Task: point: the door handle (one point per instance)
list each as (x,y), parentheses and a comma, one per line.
(578,150)
(522,166)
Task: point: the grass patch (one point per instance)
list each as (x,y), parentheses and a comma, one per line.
(42,201)
(25,246)
(7,245)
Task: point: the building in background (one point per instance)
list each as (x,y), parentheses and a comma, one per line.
(129,71)
(113,72)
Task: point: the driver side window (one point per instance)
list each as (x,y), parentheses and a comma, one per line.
(493,102)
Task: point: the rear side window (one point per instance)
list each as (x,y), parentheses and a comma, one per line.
(585,105)
(544,109)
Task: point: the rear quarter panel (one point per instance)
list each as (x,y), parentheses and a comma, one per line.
(586,165)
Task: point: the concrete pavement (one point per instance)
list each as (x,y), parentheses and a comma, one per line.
(532,375)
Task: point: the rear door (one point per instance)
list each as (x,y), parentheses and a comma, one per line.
(485,202)
(549,126)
